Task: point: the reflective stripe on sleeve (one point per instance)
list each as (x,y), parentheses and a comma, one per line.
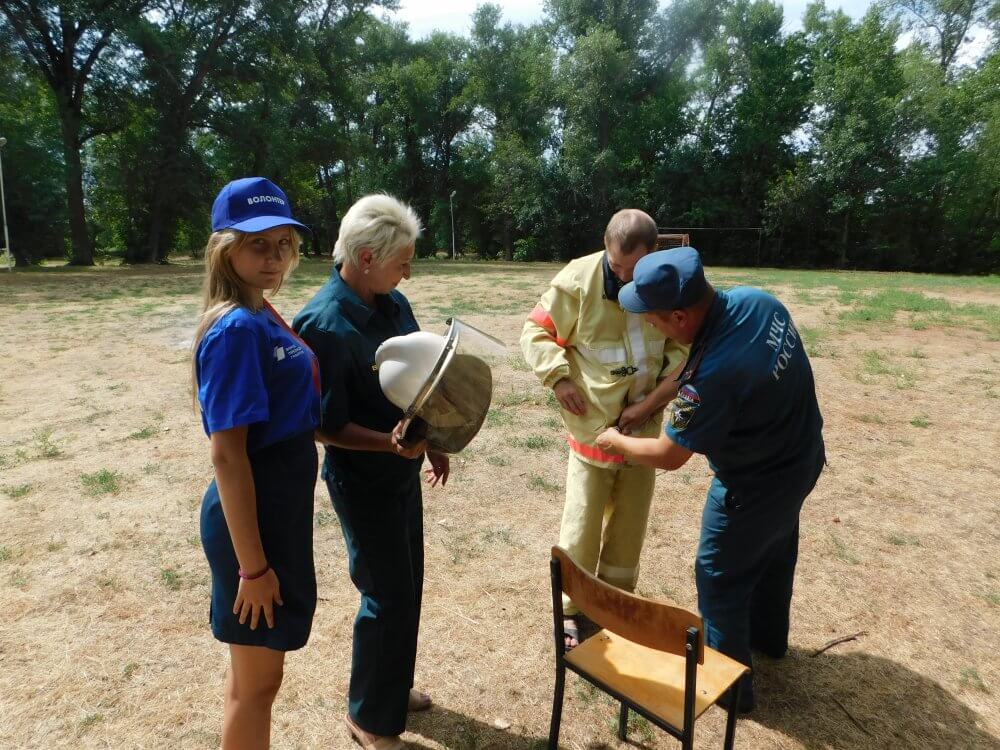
(541,316)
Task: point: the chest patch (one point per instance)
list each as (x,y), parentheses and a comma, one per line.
(684,406)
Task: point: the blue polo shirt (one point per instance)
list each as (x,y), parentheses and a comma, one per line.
(345,333)
(253,372)
(747,399)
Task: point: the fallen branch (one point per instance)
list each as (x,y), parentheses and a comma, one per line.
(857,723)
(836,641)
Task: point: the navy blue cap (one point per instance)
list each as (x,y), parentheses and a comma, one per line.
(252,204)
(665,280)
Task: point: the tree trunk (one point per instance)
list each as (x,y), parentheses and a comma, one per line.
(81,251)
(845,235)
(508,239)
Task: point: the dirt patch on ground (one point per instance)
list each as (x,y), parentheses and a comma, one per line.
(104,589)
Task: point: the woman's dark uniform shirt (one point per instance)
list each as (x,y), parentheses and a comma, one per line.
(345,333)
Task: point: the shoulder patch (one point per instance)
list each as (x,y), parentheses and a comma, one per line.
(683,407)
(688,393)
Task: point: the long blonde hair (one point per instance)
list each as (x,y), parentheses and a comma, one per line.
(222,289)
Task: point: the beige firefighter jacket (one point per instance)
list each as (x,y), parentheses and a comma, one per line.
(613,357)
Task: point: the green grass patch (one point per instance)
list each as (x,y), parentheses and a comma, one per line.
(814,339)
(969,678)
(882,306)
(638,728)
(496,460)
(533,442)
(516,398)
(499,418)
(841,551)
(5,554)
(103,482)
(869,418)
(990,597)
(89,722)
(901,540)
(541,484)
(920,421)
(45,446)
(143,434)
(517,363)
(171,579)
(19,490)
(499,535)
(876,364)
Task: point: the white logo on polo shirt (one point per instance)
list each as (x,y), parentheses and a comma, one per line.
(279,353)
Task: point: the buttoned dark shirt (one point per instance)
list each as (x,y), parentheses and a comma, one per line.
(344,332)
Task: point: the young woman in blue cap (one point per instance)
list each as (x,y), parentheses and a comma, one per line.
(258,387)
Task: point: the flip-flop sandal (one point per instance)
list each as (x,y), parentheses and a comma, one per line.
(418,701)
(570,631)
(382,743)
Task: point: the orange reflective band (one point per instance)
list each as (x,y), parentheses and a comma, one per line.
(540,316)
(593,452)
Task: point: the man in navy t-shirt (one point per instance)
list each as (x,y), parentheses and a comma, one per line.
(747,401)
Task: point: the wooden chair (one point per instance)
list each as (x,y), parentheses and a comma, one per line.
(650,656)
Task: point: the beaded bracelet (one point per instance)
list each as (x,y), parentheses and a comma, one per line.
(253,577)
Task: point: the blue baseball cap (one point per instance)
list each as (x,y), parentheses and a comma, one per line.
(252,204)
(665,280)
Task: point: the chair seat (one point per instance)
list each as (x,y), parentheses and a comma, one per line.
(653,679)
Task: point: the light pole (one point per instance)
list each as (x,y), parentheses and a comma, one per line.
(3,210)
(451,204)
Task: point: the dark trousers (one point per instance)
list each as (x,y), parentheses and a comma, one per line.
(744,571)
(385,547)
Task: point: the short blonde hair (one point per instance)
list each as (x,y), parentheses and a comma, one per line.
(631,229)
(382,223)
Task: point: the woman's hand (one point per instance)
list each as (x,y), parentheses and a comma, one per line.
(607,441)
(402,448)
(256,596)
(440,468)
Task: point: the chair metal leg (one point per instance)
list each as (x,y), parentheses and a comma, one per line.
(623,722)
(557,703)
(734,702)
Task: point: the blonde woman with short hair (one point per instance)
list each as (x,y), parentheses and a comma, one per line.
(371,471)
(257,384)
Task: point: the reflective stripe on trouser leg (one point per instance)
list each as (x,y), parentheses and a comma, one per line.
(626,516)
(588,489)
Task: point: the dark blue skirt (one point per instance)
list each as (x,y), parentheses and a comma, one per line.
(284,478)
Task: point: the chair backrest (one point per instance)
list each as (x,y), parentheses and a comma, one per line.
(640,620)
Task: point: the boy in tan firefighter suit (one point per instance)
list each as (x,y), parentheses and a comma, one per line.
(607,368)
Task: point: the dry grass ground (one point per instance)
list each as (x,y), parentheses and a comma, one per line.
(103,586)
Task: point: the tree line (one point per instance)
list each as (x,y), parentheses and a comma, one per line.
(869,143)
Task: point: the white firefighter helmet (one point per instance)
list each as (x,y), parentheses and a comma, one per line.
(443,384)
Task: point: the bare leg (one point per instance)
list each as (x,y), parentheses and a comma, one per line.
(251,685)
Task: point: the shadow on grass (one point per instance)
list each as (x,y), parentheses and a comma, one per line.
(460,732)
(857,700)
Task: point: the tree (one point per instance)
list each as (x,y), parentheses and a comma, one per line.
(857,128)
(945,24)
(66,42)
(35,192)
